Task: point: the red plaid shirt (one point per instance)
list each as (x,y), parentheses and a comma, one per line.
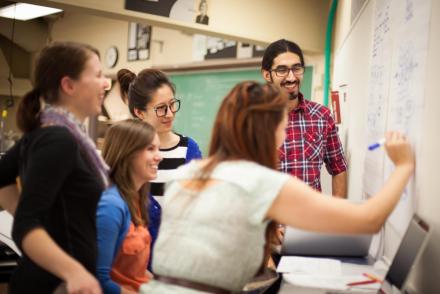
(311,140)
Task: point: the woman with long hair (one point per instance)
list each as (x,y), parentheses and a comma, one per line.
(61,174)
(151,97)
(217,211)
(131,149)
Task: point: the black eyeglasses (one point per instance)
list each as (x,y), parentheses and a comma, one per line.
(162,109)
(283,71)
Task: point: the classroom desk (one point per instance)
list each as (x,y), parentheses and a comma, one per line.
(378,268)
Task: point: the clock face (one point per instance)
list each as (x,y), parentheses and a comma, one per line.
(111,57)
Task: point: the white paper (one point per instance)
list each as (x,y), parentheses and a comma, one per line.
(309,266)
(407,89)
(6,221)
(316,281)
(183,10)
(396,99)
(199,47)
(132,35)
(244,51)
(329,282)
(378,95)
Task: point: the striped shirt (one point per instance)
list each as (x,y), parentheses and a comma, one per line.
(186,150)
(311,141)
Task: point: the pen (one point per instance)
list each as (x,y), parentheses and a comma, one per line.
(362,283)
(370,276)
(377,144)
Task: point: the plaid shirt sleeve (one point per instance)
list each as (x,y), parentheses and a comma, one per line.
(334,154)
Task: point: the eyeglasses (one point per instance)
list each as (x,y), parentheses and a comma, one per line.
(283,71)
(162,109)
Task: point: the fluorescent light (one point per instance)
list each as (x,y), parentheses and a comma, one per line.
(23,11)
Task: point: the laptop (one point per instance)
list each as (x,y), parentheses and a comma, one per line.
(411,247)
(304,243)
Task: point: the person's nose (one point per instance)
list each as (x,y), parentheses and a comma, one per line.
(158,157)
(169,113)
(107,83)
(291,76)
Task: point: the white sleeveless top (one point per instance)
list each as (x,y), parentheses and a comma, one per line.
(215,236)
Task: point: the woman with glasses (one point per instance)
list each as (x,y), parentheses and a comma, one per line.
(151,98)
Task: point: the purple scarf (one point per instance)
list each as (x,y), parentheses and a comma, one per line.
(58,116)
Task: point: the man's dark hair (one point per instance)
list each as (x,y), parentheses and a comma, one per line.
(278,47)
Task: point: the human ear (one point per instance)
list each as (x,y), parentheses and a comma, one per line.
(266,75)
(67,85)
(139,113)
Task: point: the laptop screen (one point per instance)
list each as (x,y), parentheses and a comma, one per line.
(410,247)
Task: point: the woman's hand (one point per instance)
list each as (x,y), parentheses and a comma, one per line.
(127,291)
(82,282)
(399,150)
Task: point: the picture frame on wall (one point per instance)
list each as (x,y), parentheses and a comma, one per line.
(139,41)
(132,32)
(132,55)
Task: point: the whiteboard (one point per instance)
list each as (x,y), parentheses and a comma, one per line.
(407,89)
(352,67)
(378,90)
(396,90)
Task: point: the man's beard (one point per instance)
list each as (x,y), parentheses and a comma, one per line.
(292,95)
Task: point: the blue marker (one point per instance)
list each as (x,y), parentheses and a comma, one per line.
(377,144)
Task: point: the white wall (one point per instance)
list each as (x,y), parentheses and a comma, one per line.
(352,70)
(351,66)
(342,23)
(169,47)
(318,63)
(252,21)
(98,32)
(301,20)
(428,270)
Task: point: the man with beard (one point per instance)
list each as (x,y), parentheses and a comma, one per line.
(312,137)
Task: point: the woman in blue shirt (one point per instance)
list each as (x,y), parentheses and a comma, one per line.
(131,149)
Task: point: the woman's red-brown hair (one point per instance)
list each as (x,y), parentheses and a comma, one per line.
(245,125)
(245,129)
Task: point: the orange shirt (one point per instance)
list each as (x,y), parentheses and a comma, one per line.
(129,269)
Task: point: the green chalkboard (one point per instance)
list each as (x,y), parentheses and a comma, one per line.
(201,94)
